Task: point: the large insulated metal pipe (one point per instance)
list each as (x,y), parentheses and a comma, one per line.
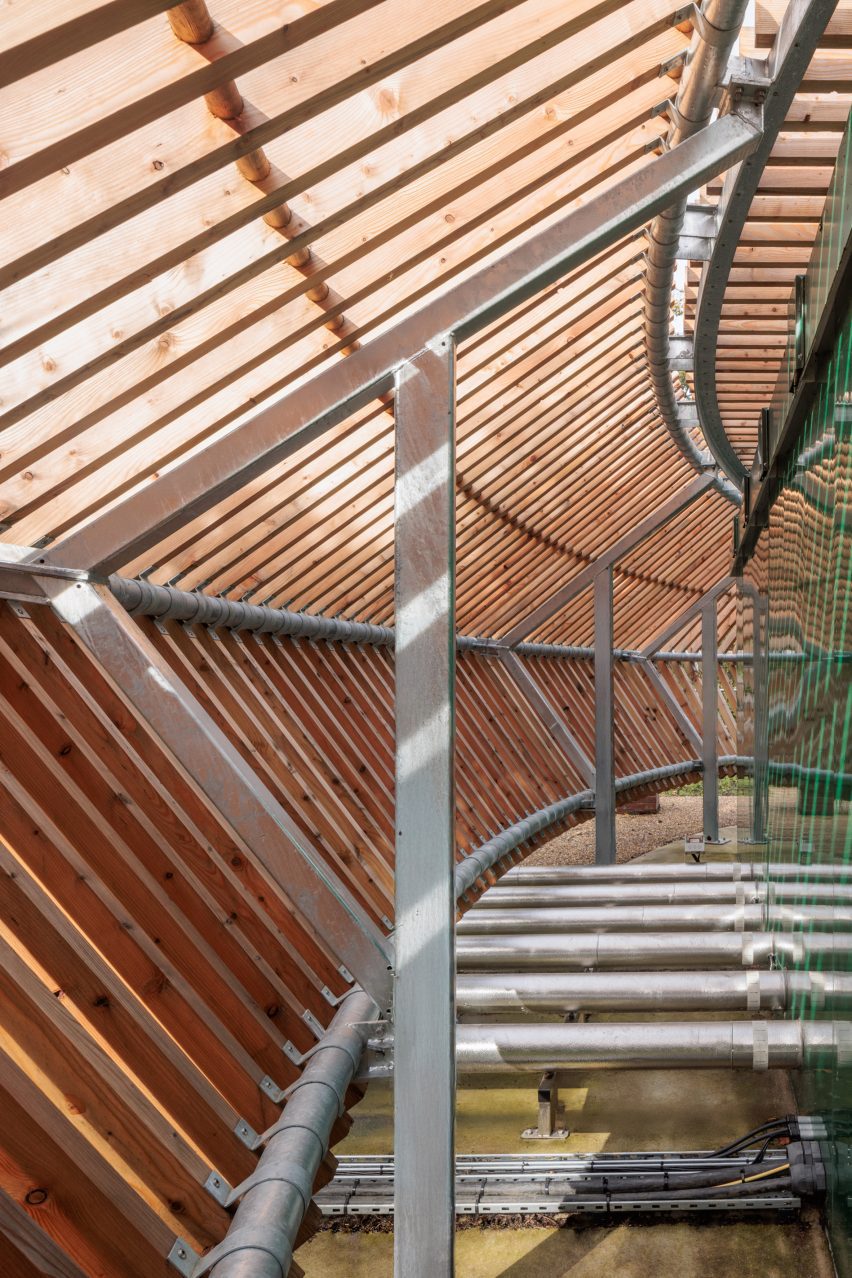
(659,918)
(757,1045)
(538,993)
(673,893)
(638,951)
(717,26)
(669,872)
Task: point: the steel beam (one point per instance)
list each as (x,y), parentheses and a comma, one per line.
(709,722)
(677,503)
(801,27)
(684,723)
(157,696)
(552,720)
(760,719)
(604,722)
(688,614)
(265,437)
(424,998)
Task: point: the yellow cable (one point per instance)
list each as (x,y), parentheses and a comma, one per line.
(773,1171)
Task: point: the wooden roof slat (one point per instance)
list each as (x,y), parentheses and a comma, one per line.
(31,39)
(173,90)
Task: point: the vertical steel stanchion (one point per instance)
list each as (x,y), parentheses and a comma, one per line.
(709,720)
(604,703)
(424,997)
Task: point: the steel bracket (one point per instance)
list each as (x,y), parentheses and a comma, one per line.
(671,64)
(694,248)
(218,1188)
(186,1260)
(747,81)
(273,1091)
(680,360)
(246,1133)
(292,1051)
(282,1169)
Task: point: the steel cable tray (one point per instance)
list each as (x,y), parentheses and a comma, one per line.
(508,1184)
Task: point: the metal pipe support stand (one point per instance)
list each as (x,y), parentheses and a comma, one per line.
(548,1111)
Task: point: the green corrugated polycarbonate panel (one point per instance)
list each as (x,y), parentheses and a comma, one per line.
(801,574)
(829,244)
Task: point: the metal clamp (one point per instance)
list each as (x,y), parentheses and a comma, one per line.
(291,1050)
(187,1261)
(843,1044)
(708,33)
(671,64)
(346,1039)
(760,1046)
(269,1169)
(753,991)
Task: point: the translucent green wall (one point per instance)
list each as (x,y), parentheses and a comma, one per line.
(795,709)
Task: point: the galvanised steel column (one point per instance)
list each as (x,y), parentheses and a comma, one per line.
(604,696)
(710,714)
(760,719)
(424,996)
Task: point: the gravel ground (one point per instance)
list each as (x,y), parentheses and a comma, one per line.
(679,816)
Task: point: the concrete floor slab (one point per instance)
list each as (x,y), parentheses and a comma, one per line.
(672,1109)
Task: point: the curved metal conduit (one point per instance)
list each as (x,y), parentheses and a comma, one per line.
(718,24)
(802,25)
(275,1197)
(507,841)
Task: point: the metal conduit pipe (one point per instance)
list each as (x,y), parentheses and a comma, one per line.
(274,1199)
(671,893)
(167,603)
(646,951)
(668,918)
(635,872)
(143,598)
(489,853)
(718,24)
(538,993)
(524,1048)
(477,862)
